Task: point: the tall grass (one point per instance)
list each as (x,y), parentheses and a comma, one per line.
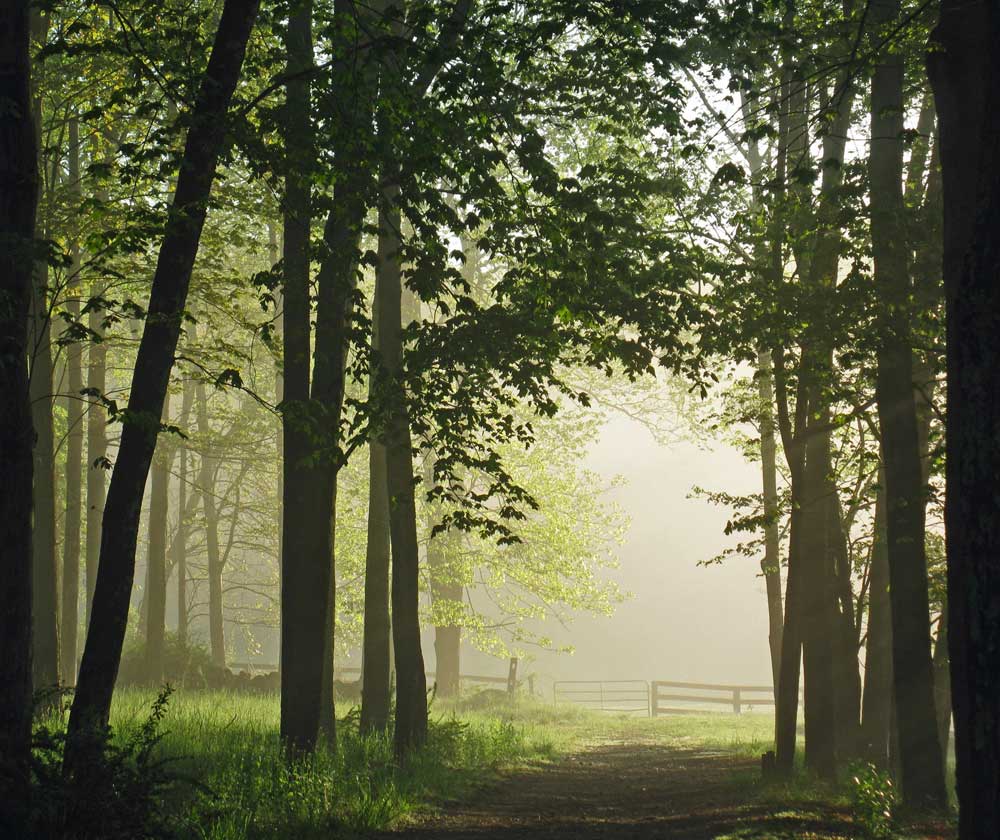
(243,786)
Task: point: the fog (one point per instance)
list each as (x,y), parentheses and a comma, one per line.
(682,621)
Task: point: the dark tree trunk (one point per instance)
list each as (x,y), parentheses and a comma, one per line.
(847,673)
(45,612)
(74,441)
(770,564)
(205,142)
(411,682)
(300,684)
(376,683)
(965,72)
(921,779)
(877,701)
(18,204)
(156,560)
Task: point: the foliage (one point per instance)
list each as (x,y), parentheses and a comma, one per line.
(873,799)
(123,795)
(248,789)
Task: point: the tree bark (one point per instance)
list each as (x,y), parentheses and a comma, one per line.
(376,683)
(446,591)
(180,535)
(964,67)
(411,682)
(207,475)
(18,204)
(74,438)
(877,700)
(921,780)
(205,142)
(770,564)
(156,558)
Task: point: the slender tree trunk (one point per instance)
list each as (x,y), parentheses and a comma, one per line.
(942,686)
(207,474)
(446,597)
(922,780)
(877,700)
(376,683)
(205,142)
(770,565)
(74,437)
(97,447)
(156,558)
(180,536)
(964,67)
(18,204)
(411,682)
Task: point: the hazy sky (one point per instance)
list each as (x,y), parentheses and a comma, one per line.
(684,622)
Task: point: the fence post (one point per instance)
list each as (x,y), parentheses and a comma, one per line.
(737,702)
(531,684)
(512,676)
(653,691)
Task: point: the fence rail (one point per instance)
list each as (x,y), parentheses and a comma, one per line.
(735,696)
(605,695)
(352,670)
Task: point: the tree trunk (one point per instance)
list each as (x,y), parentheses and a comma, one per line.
(300,684)
(942,687)
(770,565)
(446,596)
(207,475)
(818,623)
(965,73)
(156,560)
(877,700)
(18,204)
(180,535)
(205,142)
(45,589)
(411,682)
(74,438)
(97,446)
(921,780)
(376,682)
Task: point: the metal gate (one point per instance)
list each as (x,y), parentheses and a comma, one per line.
(629,696)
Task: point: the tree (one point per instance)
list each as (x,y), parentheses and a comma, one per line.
(141,421)
(922,778)
(964,68)
(18,203)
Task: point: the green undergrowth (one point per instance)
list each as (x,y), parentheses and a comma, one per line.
(235,782)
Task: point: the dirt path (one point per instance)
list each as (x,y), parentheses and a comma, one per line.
(617,790)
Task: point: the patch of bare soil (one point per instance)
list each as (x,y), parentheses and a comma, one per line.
(614,791)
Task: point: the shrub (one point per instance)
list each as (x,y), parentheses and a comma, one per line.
(874,800)
(122,795)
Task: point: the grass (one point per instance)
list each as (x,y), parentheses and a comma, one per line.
(241,786)
(238,783)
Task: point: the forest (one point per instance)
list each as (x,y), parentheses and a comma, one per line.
(312,316)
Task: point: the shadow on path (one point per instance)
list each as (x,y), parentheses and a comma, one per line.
(628,790)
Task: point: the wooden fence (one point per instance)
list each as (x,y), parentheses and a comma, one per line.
(735,696)
(510,682)
(605,695)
